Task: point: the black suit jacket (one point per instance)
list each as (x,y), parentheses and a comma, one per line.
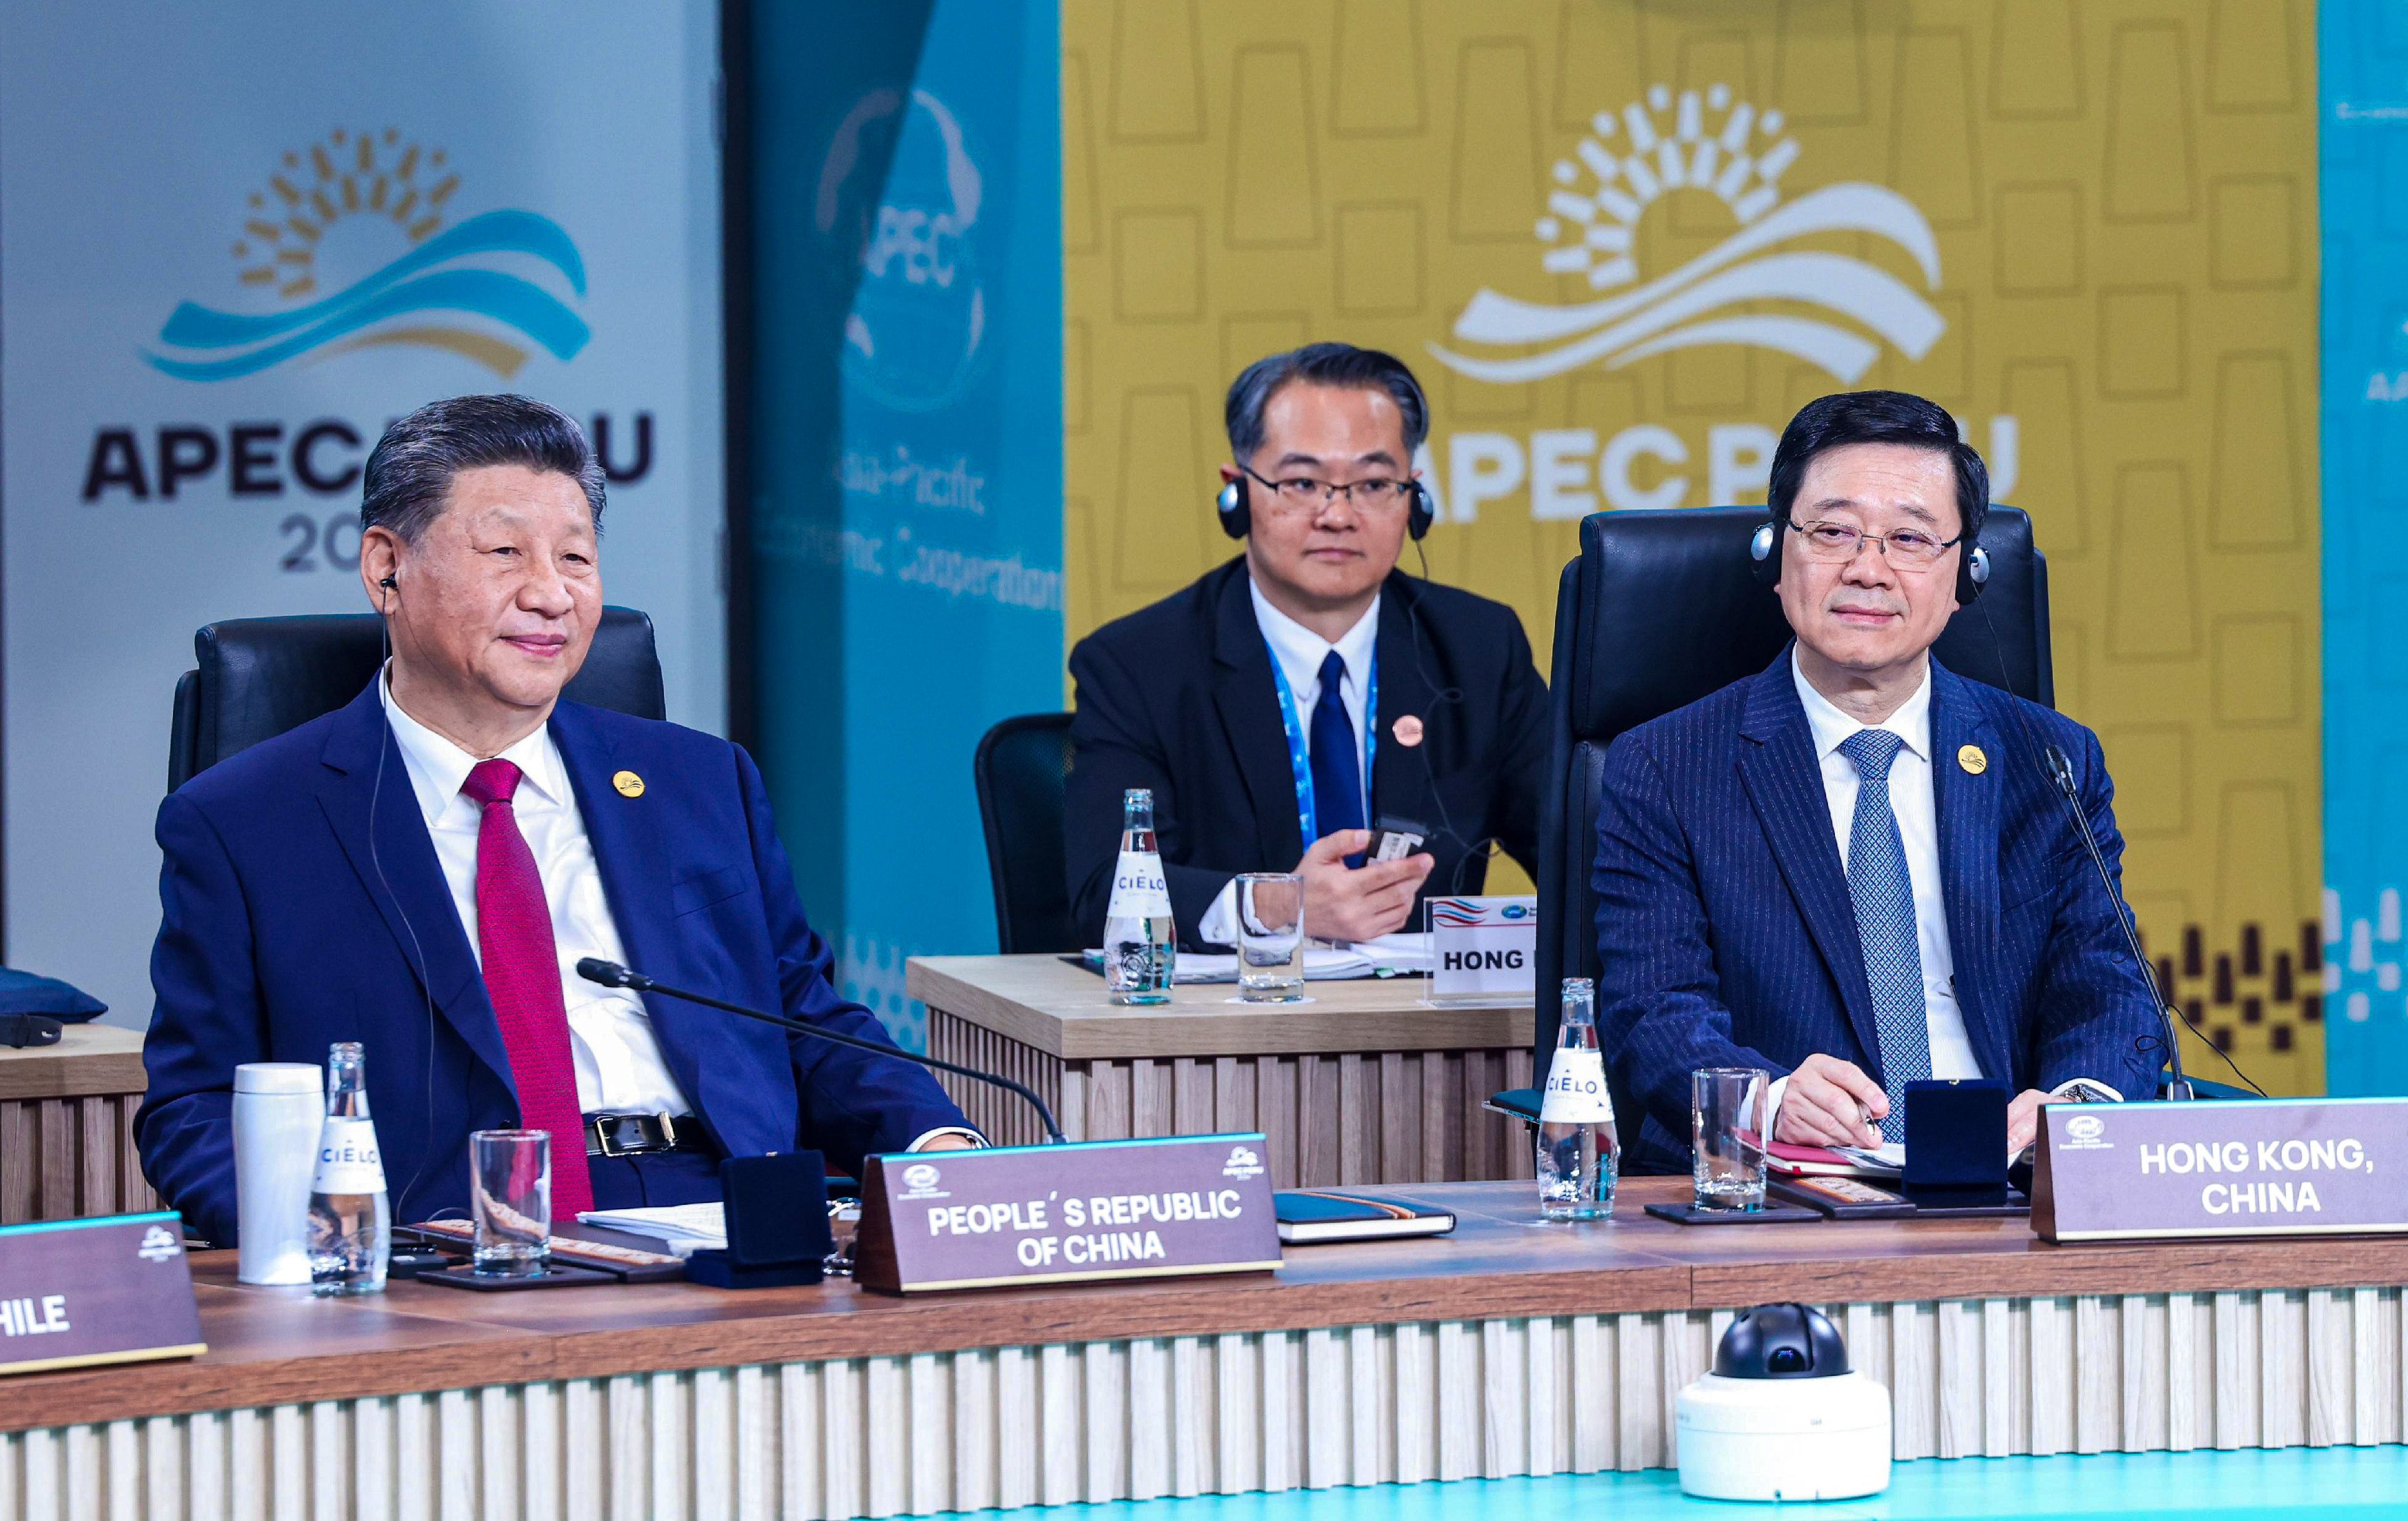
(1179,697)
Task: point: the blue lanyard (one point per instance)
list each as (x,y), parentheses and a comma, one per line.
(1300,760)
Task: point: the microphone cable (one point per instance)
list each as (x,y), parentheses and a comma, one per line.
(2166,1005)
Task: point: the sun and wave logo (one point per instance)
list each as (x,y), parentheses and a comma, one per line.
(1756,288)
(376,209)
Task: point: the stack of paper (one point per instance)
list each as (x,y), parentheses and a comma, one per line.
(1387,956)
(685,1228)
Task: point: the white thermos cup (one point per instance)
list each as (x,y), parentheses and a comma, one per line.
(279,1109)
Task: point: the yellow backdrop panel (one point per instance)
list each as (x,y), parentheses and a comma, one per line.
(1622,242)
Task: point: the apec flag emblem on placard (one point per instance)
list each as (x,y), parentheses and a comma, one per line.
(1758,288)
(351,244)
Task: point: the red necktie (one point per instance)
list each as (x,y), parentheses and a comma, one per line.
(522,975)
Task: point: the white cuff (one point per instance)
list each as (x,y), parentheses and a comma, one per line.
(963,1131)
(1220,925)
(1772,1108)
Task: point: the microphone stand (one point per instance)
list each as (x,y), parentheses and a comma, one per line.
(2060,770)
(611,974)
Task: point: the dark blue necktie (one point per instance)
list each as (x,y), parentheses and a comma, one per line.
(1337,769)
(1884,896)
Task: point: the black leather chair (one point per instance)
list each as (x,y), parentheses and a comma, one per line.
(1022,767)
(1661,609)
(254,678)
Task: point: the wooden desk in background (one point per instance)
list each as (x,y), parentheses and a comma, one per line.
(1506,1348)
(66,1127)
(1365,1085)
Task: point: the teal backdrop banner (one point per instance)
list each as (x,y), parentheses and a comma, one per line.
(903,448)
(2363,63)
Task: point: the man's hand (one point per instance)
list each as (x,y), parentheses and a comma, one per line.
(2023,1119)
(1342,904)
(950,1143)
(1830,1102)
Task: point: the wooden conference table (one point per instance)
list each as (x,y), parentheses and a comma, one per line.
(1364,1085)
(66,1127)
(1506,1348)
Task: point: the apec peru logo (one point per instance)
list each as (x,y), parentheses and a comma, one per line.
(351,245)
(1754,289)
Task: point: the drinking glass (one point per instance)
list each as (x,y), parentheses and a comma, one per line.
(1271,937)
(1727,1136)
(511,1178)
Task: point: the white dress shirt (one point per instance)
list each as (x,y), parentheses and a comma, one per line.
(619,1064)
(1910,801)
(1299,651)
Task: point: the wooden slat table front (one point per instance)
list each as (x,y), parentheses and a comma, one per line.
(1507,1348)
(66,1127)
(1364,1085)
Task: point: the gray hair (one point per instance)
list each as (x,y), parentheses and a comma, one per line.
(1341,364)
(409,472)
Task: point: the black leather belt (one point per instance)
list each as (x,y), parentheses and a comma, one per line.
(635,1135)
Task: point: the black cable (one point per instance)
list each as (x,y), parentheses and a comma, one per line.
(425,987)
(2123,914)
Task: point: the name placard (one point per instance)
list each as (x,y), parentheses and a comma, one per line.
(74,1293)
(1058,1214)
(2269,1167)
(1483,949)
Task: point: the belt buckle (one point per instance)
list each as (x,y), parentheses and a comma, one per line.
(610,1132)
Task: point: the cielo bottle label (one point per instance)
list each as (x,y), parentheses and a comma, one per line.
(1576,1092)
(1139,889)
(347,1160)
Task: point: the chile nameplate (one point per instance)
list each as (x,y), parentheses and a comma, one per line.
(2274,1167)
(1053,1214)
(74,1293)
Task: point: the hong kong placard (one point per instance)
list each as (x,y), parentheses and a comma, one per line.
(2280,1167)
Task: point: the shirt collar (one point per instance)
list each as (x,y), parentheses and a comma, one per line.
(438,768)
(1912,723)
(1299,651)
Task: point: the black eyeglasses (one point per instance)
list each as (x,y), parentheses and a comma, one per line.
(1303,492)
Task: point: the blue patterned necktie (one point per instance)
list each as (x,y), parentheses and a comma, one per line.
(1336,763)
(1884,901)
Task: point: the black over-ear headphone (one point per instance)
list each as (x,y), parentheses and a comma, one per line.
(1764,557)
(1235,505)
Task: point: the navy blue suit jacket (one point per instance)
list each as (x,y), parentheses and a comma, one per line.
(291,920)
(1727,937)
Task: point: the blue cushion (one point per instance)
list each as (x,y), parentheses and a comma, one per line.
(22,993)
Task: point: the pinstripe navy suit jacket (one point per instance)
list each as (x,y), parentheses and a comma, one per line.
(1725,933)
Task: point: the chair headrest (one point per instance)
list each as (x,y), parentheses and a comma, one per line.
(1675,615)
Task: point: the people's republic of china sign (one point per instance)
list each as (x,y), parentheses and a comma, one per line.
(2257,1168)
(1036,1214)
(76,1293)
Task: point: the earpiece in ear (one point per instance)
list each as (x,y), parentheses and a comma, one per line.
(390,585)
(1979,567)
(1759,549)
(1236,517)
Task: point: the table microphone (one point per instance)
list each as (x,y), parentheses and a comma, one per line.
(611,974)
(2060,770)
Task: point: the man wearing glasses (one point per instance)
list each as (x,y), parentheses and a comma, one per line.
(1306,690)
(1853,870)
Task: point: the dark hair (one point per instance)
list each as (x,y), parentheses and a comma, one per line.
(410,471)
(1878,417)
(1340,365)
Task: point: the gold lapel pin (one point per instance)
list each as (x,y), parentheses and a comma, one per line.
(1971,758)
(631,785)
